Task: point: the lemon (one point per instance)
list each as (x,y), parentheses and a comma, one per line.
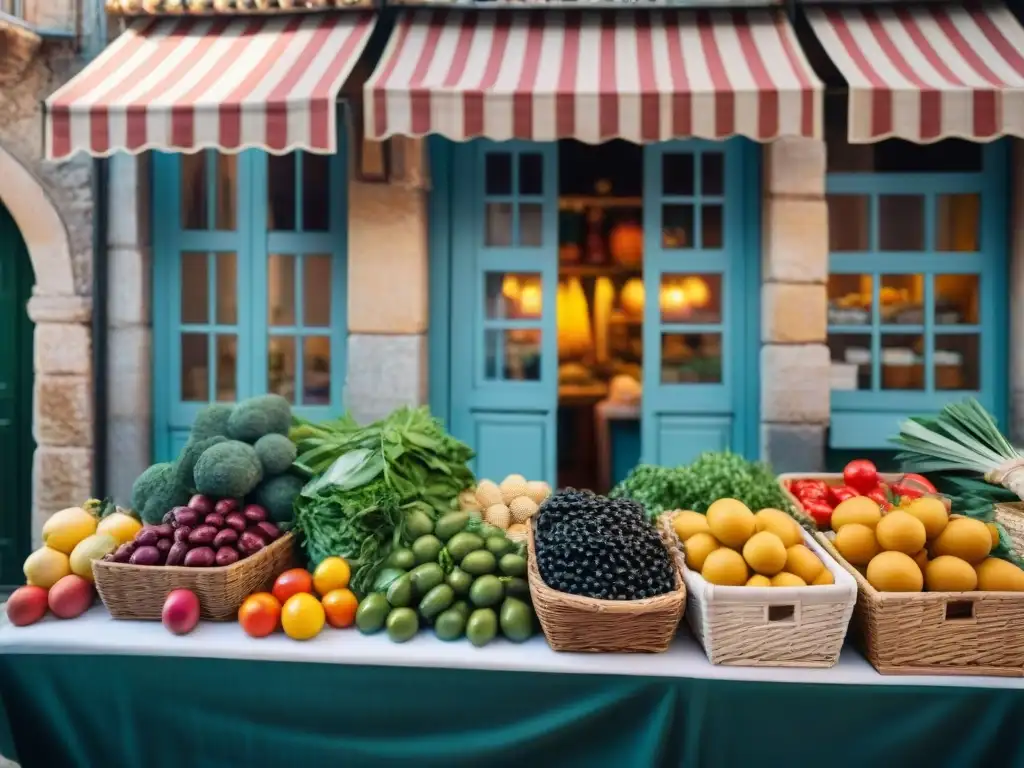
(859,509)
(725,567)
(778,522)
(824,579)
(45,567)
(995,575)
(965,538)
(119,525)
(333,573)
(757,580)
(894,572)
(784,579)
(65,529)
(765,553)
(697,548)
(932,514)
(687,522)
(856,543)
(900,531)
(731,522)
(800,561)
(950,574)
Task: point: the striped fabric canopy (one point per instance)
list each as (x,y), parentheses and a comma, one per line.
(545,75)
(929,72)
(229,83)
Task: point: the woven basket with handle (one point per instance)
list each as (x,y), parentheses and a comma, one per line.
(139,591)
(574,623)
(933,633)
(769,626)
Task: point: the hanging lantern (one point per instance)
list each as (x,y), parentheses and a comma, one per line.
(530,300)
(697,292)
(632,296)
(673,300)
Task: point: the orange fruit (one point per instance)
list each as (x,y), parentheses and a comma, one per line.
(302,617)
(340,606)
(333,573)
(292,582)
(259,614)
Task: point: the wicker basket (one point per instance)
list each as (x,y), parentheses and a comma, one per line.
(934,633)
(573,623)
(769,626)
(139,591)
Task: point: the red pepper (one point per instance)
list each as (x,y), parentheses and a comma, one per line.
(906,491)
(820,512)
(918,481)
(880,496)
(841,493)
(861,475)
(811,489)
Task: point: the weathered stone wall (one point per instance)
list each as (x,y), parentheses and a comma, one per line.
(794,355)
(52,205)
(1016,335)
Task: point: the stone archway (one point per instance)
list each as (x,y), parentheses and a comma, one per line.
(62,423)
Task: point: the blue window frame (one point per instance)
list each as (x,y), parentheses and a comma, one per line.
(249,284)
(917,285)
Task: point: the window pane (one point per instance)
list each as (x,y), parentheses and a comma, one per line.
(195,289)
(281,366)
(957,220)
(849,223)
(957,361)
(513,296)
(851,361)
(195,368)
(316,291)
(316,370)
(902,362)
(691,358)
(531,224)
(281,290)
(512,355)
(691,298)
(901,222)
(281,192)
(711,225)
(957,299)
(227,291)
(677,173)
(902,299)
(712,173)
(227,184)
(677,226)
(316,192)
(498,226)
(498,173)
(194,206)
(227,365)
(531,174)
(849,299)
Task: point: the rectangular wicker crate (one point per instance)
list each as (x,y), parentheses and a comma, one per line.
(931,633)
(769,626)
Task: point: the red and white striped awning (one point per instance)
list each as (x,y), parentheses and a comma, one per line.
(545,75)
(229,83)
(928,72)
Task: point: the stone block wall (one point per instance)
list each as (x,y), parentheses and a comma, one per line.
(795,358)
(1016,290)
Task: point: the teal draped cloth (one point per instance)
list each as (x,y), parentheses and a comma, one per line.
(158,712)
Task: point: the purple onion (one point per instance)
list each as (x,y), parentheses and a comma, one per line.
(227,556)
(254,513)
(269,530)
(236,520)
(225,537)
(225,506)
(176,554)
(202,505)
(147,537)
(214,519)
(186,516)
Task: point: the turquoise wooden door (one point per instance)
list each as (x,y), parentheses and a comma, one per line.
(504,372)
(701,286)
(16,444)
(250,284)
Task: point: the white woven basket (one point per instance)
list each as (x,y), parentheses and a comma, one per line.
(770,626)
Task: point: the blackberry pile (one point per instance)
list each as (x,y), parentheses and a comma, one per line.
(593,546)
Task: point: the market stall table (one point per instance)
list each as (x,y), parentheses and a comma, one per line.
(97,692)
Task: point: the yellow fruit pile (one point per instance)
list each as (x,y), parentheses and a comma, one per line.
(508,504)
(731,546)
(920,546)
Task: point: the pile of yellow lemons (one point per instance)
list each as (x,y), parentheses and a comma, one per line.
(921,546)
(733,547)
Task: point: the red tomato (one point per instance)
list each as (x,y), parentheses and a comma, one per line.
(841,493)
(880,496)
(820,512)
(861,475)
(812,490)
(260,614)
(292,582)
(906,491)
(919,481)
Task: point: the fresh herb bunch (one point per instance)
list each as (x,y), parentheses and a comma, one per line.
(657,488)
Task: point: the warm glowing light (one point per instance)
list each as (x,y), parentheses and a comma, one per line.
(673,299)
(530,300)
(632,296)
(510,287)
(697,291)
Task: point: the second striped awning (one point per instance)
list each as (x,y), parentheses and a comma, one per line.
(643,77)
(927,72)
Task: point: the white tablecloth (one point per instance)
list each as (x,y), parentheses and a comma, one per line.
(97,633)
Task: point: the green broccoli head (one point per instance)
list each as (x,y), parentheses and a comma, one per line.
(259,416)
(277,495)
(156,491)
(227,470)
(212,421)
(190,455)
(276,454)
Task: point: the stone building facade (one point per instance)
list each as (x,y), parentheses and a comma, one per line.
(52,206)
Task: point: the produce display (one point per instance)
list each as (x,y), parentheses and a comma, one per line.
(464,577)
(239,452)
(507,505)
(598,547)
(375,488)
(920,546)
(732,546)
(206,533)
(712,476)
(181,611)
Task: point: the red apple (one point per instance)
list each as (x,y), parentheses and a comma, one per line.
(181,611)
